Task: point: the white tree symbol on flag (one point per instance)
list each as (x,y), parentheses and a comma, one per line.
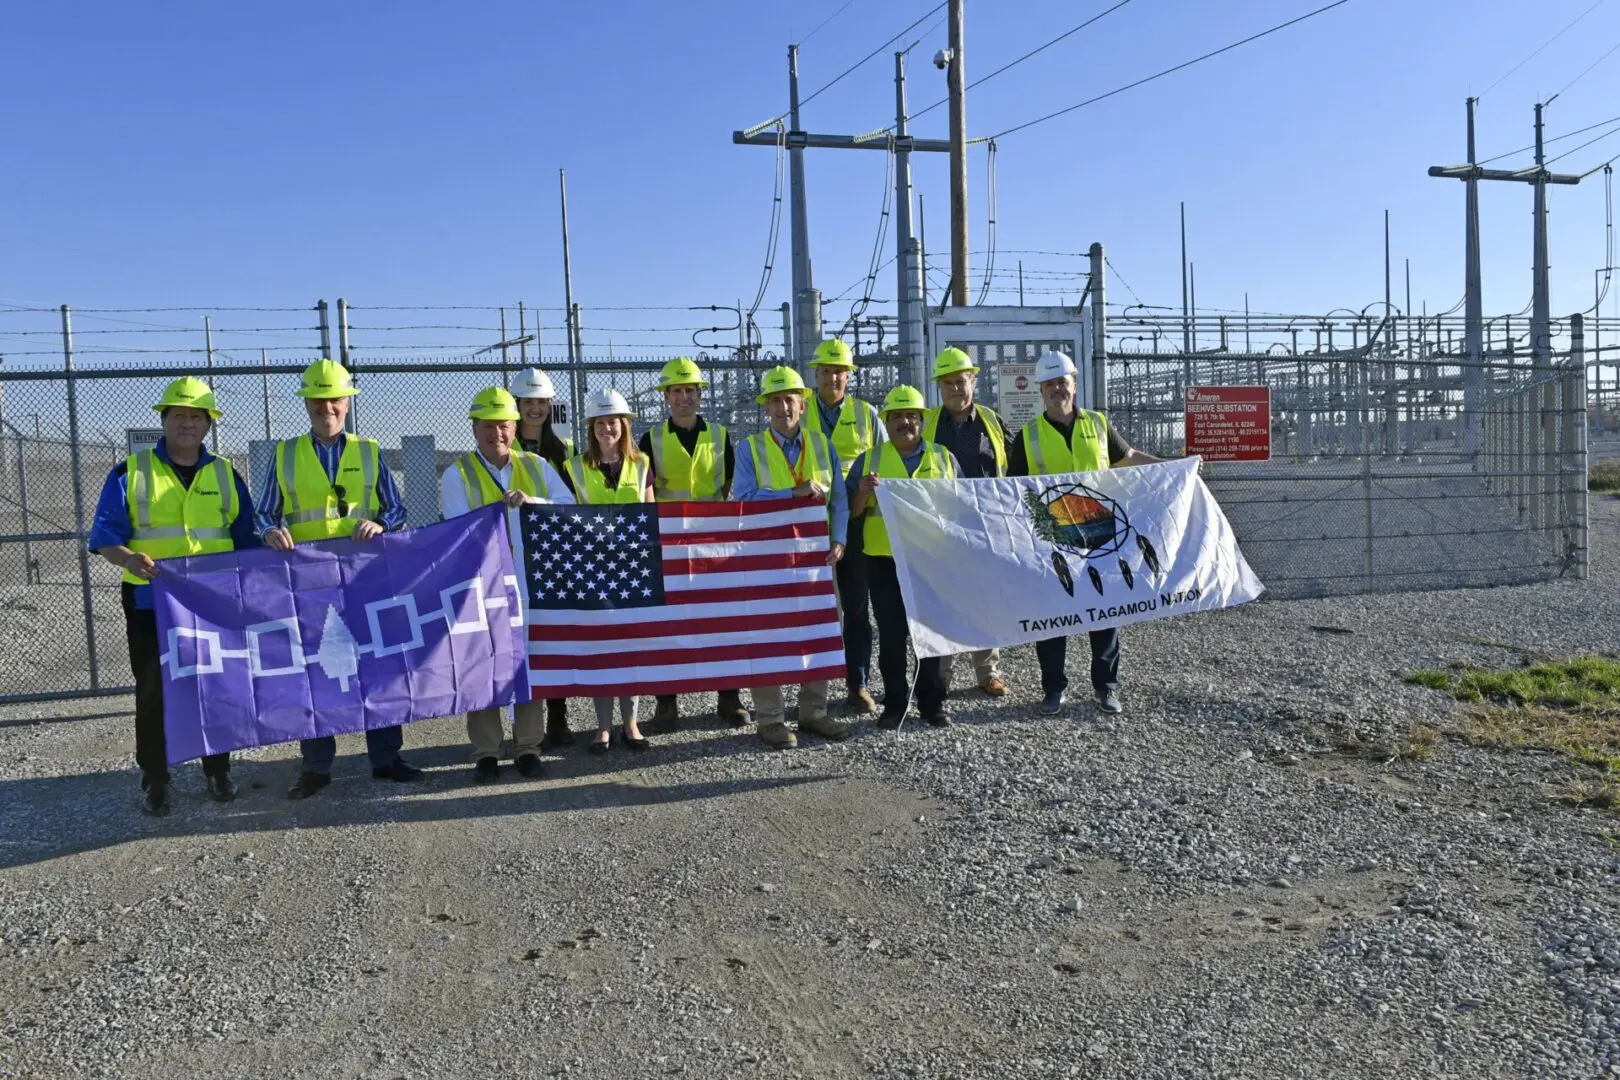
(338,655)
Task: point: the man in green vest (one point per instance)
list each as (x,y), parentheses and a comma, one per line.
(906,454)
(328,485)
(791,460)
(1065,438)
(693,461)
(499,471)
(979,439)
(853,428)
(173,500)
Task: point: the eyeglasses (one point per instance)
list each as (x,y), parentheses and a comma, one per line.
(343,505)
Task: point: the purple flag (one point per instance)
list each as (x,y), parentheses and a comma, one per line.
(339,636)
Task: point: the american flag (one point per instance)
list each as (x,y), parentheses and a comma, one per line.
(673,598)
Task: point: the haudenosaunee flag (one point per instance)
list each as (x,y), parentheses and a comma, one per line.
(1000,562)
(338,636)
(674,598)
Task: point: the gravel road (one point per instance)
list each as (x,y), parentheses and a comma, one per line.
(1211,885)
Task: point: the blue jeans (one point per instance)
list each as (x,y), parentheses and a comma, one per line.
(382,747)
(855,602)
(1052,653)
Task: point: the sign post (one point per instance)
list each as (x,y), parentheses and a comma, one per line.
(1229,423)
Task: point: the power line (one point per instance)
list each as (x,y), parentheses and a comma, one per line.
(825,21)
(857,64)
(1588,68)
(1584,145)
(1539,51)
(1555,138)
(1171,70)
(776,222)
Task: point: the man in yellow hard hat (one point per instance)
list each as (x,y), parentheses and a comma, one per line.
(904,455)
(853,427)
(979,439)
(173,500)
(790,460)
(693,461)
(1066,438)
(322,486)
(499,471)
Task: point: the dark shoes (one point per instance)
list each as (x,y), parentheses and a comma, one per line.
(397,771)
(1108,702)
(156,800)
(638,745)
(937,718)
(666,717)
(308,783)
(1052,703)
(890,721)
(486,770)
(730,709)
(221,788)
(557,734)
(530,767)
(599,746)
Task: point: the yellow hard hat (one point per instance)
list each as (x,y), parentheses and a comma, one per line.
(833,353)
(327,379)
(493,404)
(952,360)
(191,393)
(902,398)
(780,379)
(681,371)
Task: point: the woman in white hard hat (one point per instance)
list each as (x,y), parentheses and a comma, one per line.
(611,470)
(537,434)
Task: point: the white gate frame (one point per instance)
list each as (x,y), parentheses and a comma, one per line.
(994,335)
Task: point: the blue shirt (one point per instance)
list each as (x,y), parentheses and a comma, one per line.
(111,526)
(745,486)
(392,510)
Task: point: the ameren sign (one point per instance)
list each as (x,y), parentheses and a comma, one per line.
(1229,423)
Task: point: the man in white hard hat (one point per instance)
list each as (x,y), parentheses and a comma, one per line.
(1066,438)
(790,460)
(693,461)
(979,440)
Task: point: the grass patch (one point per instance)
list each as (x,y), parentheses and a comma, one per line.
(1587,682)
(1604,477)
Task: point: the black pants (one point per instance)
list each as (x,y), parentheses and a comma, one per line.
(151,745)
(854,601)
(1053,653)
(556,712)
(890,608)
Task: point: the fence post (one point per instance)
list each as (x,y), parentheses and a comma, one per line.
(352,425)
(30,567)
(78,497)
(1575,468)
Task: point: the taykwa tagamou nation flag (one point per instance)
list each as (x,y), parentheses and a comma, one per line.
(671,598)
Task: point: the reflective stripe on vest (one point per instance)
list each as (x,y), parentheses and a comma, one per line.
(682,477)
(852,433)
(309,503)
(482,489)
(169,520)
(936,464)
(1048,453)
(992,430)
(590,486)
(771,462)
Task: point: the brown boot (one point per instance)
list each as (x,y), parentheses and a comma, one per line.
(861,702)
(778,736)
(666,717)
(730,708)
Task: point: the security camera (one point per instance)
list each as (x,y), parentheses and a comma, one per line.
(942,59)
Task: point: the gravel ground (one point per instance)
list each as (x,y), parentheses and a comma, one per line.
(1211,885)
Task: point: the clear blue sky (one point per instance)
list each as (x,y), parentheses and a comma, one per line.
(208,154)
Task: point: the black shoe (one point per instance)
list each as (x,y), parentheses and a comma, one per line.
(397,771)
(1052,703)
(937,718)
(156,801)
(890,721)
(666,717)
(729,708)
(1108,702)
(486,770)
(599,747)
(308,784)
(557,735)
(637,745)
(530,767)
(221,788)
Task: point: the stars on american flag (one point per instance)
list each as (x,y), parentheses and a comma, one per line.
(593,557)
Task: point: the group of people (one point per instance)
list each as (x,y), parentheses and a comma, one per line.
(177,499)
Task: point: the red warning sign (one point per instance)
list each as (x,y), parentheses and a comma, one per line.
(1229,423)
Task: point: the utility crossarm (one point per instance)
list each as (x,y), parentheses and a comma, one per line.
(1528,176)
(799,140)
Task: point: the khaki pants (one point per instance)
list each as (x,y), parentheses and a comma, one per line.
(484,728)
(986,663)
(768,702)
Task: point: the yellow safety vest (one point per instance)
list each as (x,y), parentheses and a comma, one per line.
(310,500)
(771,468)
(1047,452)
(992,428)
(682,477)
(590,486)
(853,434)
(169,520)
(527,476)
(936,464)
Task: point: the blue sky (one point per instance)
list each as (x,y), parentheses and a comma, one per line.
(206,154)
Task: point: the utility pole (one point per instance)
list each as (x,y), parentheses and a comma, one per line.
(1540,314)
(208,347)
(908,305)
(571,312)
(806,300)
(956,82)
(1186,310)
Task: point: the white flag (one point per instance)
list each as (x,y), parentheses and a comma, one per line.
(992,563)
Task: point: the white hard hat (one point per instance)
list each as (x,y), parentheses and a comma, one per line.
(1054,365)
(533,383)
(600,403)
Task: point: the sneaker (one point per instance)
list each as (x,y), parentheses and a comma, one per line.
(1108,702)
(860,702)
(826,726)
(486,770)
(1052,703)
(530,767)
(778,736)
(156,801)
(994,686)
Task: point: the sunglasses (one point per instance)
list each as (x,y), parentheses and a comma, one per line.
(343,504)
